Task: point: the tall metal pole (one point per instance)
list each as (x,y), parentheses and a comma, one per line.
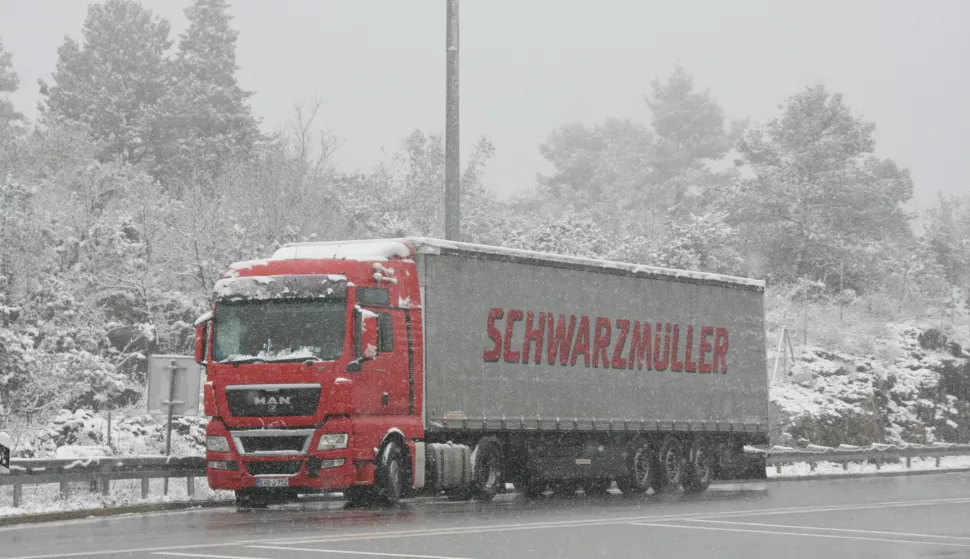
(452,164)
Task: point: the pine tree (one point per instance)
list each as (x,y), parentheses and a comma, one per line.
(820,205)
(9,82)
(112,81)
(689,125)
(605,165)
(207,120)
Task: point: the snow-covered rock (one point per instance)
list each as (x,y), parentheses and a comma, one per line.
(919,395)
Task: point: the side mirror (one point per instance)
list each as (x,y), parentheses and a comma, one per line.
(201,342)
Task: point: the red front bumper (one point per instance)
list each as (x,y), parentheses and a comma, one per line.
(337,478)
(313,470)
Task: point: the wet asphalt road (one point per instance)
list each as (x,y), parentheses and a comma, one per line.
(892,517)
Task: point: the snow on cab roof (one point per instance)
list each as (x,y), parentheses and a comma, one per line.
(385,249)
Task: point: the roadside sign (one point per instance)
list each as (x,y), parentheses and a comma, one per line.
(184,395)
(6,444)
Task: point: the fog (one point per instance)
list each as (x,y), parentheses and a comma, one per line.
(527,68)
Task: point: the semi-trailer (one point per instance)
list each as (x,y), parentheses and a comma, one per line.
(387,368)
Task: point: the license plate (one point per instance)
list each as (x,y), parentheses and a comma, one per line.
(273,482)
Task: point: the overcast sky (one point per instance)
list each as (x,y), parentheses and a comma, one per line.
(528,66)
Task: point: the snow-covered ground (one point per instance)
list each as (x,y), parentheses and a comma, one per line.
(911,387)
(46,498)
(823,469)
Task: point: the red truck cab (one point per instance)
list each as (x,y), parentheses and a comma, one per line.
(313,364)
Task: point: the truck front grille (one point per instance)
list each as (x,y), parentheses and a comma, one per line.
(252,445)
(286,400)
(275,468)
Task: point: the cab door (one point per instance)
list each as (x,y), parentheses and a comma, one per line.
(386,376)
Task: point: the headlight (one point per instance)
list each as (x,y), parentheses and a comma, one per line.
(217,443)
(332,441)
(224,465)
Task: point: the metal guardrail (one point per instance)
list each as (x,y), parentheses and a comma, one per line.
(99,472)
(845,454)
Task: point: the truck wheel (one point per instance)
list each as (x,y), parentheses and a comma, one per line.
(489,469)
(390,475)
(700,468)
(671,463)
(641,468)
(594,487)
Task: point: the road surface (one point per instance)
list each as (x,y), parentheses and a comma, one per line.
(918,516)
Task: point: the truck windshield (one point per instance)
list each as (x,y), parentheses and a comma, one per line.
(275,331)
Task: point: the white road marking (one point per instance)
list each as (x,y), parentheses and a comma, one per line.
(803,534)
(511,527)
(345,552)
(821,529)
(169,553)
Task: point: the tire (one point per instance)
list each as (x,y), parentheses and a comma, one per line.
(489,469)
(670,465)
(391,474)
(596,487)
(641,467)
(699,469)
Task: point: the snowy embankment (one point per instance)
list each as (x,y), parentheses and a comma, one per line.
(914,387)
(46,498)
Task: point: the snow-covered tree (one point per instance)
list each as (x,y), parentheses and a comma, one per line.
(820,206)
(113,80)
(405,196)
(689,125)
(9,82)
(205,122)
(572,234)
(945,240)
(607,165)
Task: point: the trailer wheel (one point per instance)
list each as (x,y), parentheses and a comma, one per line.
(641,469)
(594,487)
(671,463)
(489,469)
(390,473)
(700,467)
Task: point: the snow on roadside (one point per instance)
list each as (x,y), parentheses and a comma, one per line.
(46,498)
(823,469)
(833,397)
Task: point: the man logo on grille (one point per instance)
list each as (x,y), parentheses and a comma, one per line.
(272,401)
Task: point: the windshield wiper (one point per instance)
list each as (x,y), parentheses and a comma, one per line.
(303,359)
(248,360)
(241,360)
